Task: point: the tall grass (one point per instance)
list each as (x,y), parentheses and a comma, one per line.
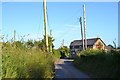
(20,62)
(99,64)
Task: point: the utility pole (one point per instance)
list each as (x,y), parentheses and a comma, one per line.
(84,15)
(14,37)
(45,25)
(50,41)
(82,33)
(62,43)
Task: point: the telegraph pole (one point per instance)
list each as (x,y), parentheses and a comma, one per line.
(14,37)
(82,33)
(62,45)
(84,15)
(45,25)
(50,41)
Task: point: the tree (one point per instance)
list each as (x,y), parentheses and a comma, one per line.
(110,46)
(50,42)
(114,44)
(64,50)
(19,44)
(29,44)
(41,44)
(118,48)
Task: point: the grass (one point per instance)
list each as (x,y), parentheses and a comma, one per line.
(20,62)
(99,64)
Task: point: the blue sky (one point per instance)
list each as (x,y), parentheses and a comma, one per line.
(119,24)
(63,19)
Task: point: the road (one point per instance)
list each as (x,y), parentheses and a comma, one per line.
(65,69)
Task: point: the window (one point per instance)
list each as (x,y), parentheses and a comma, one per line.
(76,47)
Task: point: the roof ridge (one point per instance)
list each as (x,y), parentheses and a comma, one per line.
(90,41)
(87,39)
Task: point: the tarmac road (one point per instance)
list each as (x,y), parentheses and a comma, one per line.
(65,69)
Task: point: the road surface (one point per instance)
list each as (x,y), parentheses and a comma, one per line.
(65,69)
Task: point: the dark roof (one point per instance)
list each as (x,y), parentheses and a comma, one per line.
(90,42)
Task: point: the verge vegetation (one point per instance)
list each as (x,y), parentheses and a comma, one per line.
(29,59)
(98,63)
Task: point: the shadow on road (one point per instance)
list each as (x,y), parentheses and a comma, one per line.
(64,69)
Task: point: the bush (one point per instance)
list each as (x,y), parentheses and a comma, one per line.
(99,64)
(56,54)
(26,63)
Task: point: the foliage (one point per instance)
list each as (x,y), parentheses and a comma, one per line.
(56,54)
(64,50)
(99,64)
(91,52)
(37,44)
(29,44)
(26,63)
(110,46)
(29,59)
(41,44)
(118,48)
(19,44)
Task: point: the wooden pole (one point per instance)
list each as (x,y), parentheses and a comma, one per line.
(82,33)
(51,41)
(14,38)
(45,25)
(84,15)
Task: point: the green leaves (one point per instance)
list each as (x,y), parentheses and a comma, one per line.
(99,64)
(26,63)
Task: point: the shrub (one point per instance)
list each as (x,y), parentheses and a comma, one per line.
(26,63)
(99,64)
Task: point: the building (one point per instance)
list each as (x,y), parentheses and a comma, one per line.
(93,43)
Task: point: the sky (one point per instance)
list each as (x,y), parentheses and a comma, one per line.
(63,19)
(60,0)
(119,24)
